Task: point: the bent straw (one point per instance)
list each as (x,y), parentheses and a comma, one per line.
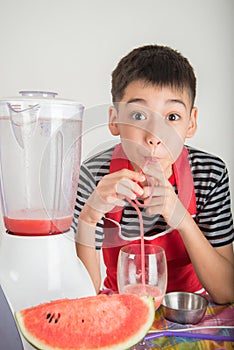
(134,204)
(186,334)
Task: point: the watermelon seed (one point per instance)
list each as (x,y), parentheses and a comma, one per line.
(57,319)
(51,318)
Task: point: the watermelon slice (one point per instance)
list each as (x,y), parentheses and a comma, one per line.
(98,322)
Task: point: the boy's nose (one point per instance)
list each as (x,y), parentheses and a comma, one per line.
(153,140)
(154,130)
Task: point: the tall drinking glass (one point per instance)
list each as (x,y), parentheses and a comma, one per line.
(142,270)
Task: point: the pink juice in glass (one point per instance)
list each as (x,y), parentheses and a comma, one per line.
(147,290)
(36,223)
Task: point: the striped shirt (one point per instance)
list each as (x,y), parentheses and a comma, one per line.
(211,185)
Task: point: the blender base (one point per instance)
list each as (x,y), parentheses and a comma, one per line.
(35,270)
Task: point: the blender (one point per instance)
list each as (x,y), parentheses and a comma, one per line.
(40,152)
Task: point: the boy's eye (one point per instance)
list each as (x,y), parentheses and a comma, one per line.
(173,117)
(138,116)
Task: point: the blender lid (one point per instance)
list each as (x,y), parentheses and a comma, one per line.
(44,94)
(43,97)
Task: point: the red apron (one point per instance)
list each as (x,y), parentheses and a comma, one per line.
(181,274)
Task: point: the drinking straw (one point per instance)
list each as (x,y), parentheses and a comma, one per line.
(189,334)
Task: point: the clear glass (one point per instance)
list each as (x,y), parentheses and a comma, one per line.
(142,270)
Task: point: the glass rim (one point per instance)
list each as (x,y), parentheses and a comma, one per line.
(129,249)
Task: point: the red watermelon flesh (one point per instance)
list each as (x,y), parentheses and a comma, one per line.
(99,322)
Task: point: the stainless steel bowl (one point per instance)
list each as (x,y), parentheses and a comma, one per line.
(183,307)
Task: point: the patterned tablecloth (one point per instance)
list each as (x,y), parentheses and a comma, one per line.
(220,316)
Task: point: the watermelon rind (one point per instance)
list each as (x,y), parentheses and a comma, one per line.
(117,343)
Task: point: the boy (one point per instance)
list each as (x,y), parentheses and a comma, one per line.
(185,192)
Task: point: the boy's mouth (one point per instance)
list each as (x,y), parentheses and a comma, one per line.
(151,159)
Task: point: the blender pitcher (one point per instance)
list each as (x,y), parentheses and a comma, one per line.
(40,150)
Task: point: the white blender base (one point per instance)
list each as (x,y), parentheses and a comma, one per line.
(35,270)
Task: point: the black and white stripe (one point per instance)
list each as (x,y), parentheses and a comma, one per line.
(211,184)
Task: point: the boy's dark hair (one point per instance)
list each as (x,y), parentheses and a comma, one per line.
(156,65)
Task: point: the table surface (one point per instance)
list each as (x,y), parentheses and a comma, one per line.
(221,316)
(216,315)
(9,335)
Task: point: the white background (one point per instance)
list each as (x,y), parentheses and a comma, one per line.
(72,46)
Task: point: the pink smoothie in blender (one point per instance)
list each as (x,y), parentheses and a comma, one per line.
(23,223)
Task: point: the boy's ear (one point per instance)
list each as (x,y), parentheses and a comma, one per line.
(192,123)
(113,124)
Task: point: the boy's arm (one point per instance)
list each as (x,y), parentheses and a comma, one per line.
(91,259)
(86,250)
(214,266)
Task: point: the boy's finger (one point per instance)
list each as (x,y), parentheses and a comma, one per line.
(129,174)
(129,189)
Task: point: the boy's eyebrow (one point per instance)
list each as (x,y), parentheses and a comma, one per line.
(134,100)
(177,101)
(141,100)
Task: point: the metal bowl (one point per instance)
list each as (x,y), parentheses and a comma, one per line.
(183,307)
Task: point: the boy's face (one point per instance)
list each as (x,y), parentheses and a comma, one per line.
(153,123)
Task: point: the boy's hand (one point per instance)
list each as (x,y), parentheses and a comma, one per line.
(164,200)
(112,190)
